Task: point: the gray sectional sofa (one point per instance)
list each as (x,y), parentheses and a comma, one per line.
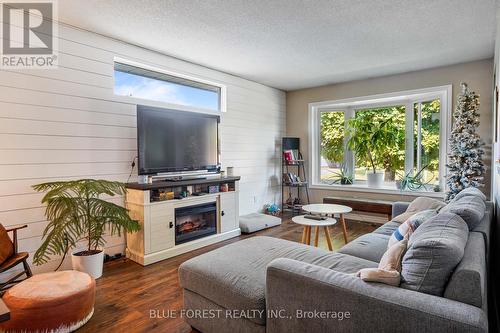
(264,284)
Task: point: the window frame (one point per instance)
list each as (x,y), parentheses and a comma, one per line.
(349,107)
(150,102)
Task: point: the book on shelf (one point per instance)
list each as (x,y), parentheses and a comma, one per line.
(286,179)
(291,156)
(291,179)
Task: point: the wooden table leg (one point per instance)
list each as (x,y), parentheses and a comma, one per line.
(304,234)
(328,239)
(309,235)
(344,228)
(316,236)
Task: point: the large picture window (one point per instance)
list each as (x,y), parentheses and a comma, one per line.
(399,136)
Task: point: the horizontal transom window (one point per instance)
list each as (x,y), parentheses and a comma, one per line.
(153,85)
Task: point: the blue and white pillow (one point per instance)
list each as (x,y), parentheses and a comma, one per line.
(410,225)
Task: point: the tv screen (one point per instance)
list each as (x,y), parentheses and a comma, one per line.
(173,141)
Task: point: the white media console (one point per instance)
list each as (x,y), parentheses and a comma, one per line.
(173,227)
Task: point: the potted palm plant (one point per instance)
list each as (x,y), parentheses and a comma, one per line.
(369,139)
(77,214)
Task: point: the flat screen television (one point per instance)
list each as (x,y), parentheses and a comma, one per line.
(170,141)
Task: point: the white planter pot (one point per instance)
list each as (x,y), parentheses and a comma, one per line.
(375,179)
(91,264)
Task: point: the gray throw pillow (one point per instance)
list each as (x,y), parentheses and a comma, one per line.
(434,250)
(470,191)
(470,208)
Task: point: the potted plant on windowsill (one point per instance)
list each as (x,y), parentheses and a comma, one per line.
(370,139)
(342,176)
(411,182)
(76,214)
(374,179)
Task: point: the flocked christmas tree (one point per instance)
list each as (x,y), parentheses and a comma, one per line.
(465,166)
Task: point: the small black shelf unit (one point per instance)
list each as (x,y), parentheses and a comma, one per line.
(294,177)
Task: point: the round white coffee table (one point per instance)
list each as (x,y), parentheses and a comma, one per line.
(309,223)
(330,209)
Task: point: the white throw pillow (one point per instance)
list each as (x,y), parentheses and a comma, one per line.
(418,205)
(410,225)
(389,268)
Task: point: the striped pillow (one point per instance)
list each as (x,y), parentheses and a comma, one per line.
(410,225)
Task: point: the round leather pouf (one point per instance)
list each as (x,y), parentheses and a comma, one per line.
(50,302)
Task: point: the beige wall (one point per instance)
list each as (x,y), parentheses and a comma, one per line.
(478,74)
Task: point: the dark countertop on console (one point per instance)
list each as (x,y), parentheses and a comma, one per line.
(168,183)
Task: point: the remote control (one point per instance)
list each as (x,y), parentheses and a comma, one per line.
(315,217)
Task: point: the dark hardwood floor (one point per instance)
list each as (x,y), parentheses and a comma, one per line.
(128,292)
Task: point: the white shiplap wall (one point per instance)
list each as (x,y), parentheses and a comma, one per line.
(66,123)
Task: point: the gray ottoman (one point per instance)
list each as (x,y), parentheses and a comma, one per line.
(256,221)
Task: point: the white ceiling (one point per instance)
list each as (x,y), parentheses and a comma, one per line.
(293,44)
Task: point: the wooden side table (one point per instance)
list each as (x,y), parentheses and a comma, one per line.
(330,209)
(309,223)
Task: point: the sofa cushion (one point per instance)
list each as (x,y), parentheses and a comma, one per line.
(470,208)
(484,227)
(434,250)
(233,276)
(387,229)
(470,191)
(370,247)
(418,205)
(468,282)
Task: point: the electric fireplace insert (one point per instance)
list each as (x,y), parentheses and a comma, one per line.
(194,222)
